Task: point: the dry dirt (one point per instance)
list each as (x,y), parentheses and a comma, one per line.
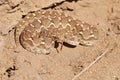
(19,64)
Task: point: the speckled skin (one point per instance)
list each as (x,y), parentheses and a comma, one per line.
(38,31)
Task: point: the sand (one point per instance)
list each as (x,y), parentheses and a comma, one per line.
(101,60)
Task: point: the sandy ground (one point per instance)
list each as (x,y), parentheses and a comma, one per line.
(19,64)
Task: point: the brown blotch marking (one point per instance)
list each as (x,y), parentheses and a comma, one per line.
(36,24)
(56,21)
(53,30)
(24,40)
(73,24)
(64,19)
(69,18)
(86,26)
(27,34)
(69,37)
(74,31)
(22,22)
(67,29)
(46,13)
(54,14)
(29,17)
(28,42)
(48,41)
(30,28)
(94,31)
(36,40)
(38,14)
(86,34)
(45,21)
(78,22)
(79,28)
(60,33)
